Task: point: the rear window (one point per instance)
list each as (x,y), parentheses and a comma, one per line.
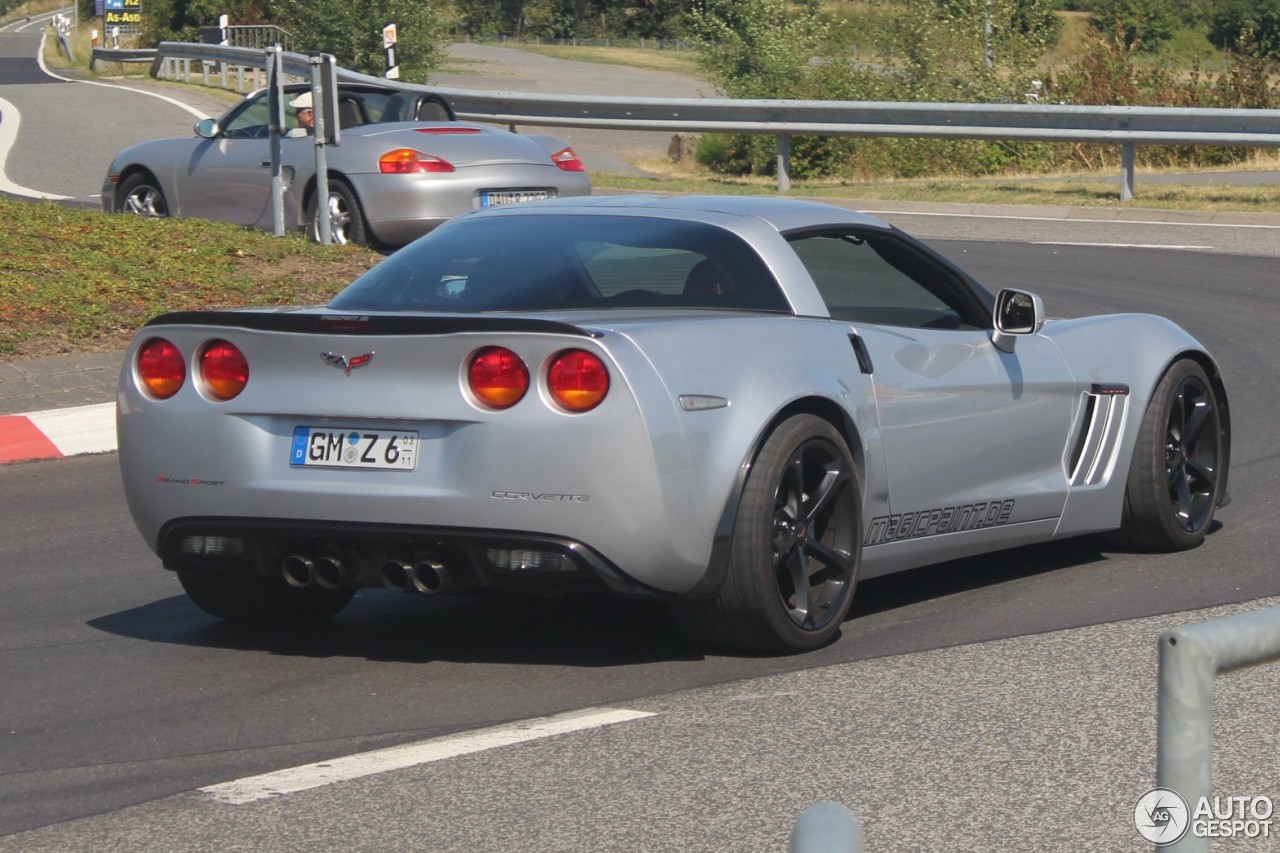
(552,262)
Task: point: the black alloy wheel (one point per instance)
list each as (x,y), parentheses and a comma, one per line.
(797,546)
(1174,483)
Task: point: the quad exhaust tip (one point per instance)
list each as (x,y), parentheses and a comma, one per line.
(302,572)
(397,575)
(425,576)
(430,577)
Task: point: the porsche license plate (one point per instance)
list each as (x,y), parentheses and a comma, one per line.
(493,198)
(354,448)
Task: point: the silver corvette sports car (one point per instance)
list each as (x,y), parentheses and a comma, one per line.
(737,406)
(404,165)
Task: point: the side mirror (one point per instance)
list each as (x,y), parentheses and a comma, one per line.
(1017,313)
(207,128)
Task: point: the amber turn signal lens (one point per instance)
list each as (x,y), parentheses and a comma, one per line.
(578,380)
(498,377)
(224,370)
(160,368)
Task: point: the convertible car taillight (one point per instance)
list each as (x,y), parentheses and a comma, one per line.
(448,130)
(497,377)
(577,380)
(224,370)
(160,368)
(404,161)
(568,161)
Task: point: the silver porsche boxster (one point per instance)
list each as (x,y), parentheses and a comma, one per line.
(737,406)
(404,165)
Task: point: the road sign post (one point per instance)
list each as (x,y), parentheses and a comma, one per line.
(389,46)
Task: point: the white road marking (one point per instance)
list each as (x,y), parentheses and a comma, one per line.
(1070,219)
(199,114)
(8,135)
(307,776)
(1115,245)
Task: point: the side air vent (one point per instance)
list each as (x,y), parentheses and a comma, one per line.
(1102,422)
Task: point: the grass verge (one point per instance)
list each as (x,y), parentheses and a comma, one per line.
(77,280)
(1057,192)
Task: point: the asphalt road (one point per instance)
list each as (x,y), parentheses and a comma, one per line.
(999,703)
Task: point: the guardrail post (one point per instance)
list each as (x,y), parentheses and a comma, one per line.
(784,162)
(1126,172)
(1190,657)
(826,827)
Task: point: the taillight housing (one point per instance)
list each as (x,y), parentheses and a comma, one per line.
(577,380)
(161,369)
(568,161)
(448,130)
(405,161)
(497,377)
(223,369)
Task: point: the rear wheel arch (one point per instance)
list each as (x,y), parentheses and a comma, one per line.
(831,412)
(790,564)
(306,213)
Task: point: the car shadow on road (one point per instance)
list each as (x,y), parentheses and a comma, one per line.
(381,625)
(1027,590)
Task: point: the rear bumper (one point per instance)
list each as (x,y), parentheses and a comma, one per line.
(495,560)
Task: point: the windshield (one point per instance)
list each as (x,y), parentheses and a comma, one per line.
(552,262)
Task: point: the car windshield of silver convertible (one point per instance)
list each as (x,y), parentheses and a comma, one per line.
(554,262)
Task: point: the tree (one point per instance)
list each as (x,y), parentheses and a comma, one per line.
(973,50)
(1145,23)
(351,30)
(755,48)
(1255,23)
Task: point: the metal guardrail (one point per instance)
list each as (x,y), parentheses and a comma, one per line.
(1125,126)
(1191,656)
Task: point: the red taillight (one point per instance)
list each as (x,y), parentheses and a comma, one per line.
(224,370)
(577,380)
(568,161)
(404,161)
(448,129)
(498,377)
(161,369)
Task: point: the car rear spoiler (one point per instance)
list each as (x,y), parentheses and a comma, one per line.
(356,323)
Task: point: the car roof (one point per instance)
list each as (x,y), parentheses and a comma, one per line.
(783,214)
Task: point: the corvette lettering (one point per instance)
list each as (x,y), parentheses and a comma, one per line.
(933,522)
(552,497)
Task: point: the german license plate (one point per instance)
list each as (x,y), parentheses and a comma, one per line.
(354,448)
(493,198)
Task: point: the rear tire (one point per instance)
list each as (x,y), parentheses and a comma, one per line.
(797,546)
(140,196)
(346,219)
(241,596)
(1174,480)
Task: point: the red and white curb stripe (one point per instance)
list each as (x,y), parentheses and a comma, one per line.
(58,433)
